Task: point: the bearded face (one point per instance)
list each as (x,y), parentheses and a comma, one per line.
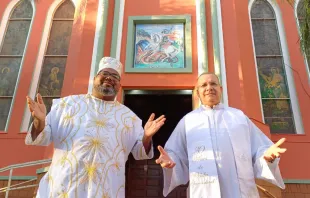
(107,82)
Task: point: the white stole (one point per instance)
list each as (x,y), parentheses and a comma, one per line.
(203,176)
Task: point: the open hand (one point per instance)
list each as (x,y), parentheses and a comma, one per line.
(152,126)
(164,159)
(37,109)
(274,151)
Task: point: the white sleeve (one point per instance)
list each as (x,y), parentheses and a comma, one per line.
(263,169)
(177,150)
(45,137)
(138,150)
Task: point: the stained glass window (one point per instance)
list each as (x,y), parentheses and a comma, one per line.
(11,54)
(274,89)
(54,64)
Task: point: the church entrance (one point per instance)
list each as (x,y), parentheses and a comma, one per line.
(144,178)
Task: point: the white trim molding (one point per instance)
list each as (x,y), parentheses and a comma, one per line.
(100,34)
(3,27)
(40,58)
(99,40)
(286,62)
(218,46)
(120,30)
(202,56)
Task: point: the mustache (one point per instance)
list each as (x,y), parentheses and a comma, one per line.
(104,90)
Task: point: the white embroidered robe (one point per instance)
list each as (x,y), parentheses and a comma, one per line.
(92,140)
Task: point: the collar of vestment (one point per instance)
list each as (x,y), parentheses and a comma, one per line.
(214,107)
(101,100)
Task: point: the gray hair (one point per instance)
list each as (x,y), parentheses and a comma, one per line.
(210,73)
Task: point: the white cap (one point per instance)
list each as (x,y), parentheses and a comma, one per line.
(109,62)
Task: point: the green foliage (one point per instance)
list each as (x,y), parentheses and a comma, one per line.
(304,27)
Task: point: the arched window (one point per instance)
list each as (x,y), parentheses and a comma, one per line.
(300,17)
(274,89)
(12,50)
(55,57)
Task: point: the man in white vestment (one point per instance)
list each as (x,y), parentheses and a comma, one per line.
(93,135)
(218,150)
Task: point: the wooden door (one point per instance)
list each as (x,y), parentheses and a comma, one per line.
(144,178)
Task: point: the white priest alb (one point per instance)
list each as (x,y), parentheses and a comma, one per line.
(219,151)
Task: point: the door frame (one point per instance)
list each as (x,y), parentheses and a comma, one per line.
(163,91)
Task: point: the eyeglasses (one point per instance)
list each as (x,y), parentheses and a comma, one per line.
(107,74)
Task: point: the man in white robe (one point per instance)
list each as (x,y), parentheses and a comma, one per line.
(93,135)
(218,150)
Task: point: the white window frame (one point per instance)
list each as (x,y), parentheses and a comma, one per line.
(40,58)
(3,27)
(286,60)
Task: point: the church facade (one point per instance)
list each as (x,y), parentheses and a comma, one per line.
(53,47)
